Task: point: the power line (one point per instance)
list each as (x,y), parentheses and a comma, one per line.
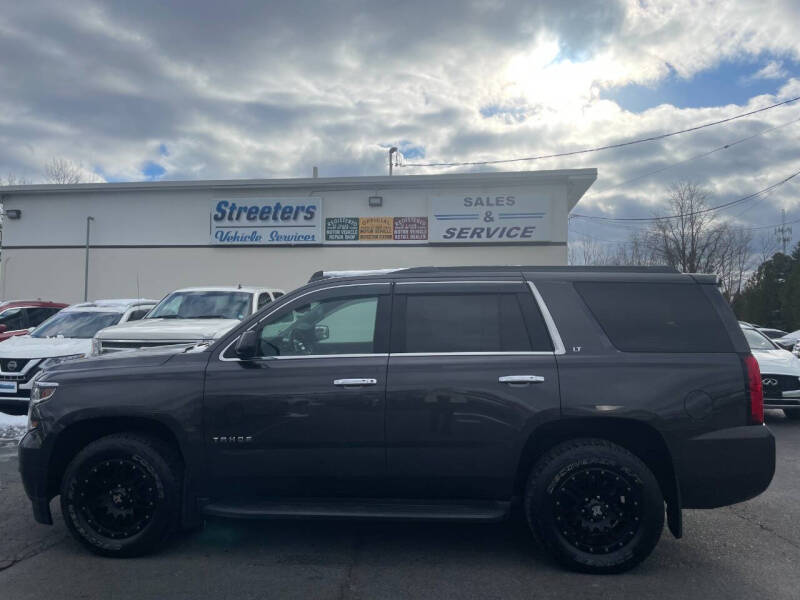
(599,148)
(697,212)
(698,156)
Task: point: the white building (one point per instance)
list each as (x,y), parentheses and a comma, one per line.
(149,238)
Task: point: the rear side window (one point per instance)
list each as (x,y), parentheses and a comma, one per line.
(656,317)
(469,322)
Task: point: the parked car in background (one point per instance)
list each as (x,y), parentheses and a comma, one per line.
(187,316)
(780,373)
(772,334)
(19,317)
(66,335)
(788,341)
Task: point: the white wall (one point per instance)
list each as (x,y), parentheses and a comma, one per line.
(57,274)
(160,233)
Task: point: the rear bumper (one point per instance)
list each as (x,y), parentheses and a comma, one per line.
(33,469)
(726,466)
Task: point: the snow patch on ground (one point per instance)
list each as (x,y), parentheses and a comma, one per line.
(12,428)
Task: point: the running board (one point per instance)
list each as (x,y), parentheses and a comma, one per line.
(338,508)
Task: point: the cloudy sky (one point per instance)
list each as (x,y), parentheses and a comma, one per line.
(207,89)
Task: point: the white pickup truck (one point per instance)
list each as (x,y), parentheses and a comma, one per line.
(186,316)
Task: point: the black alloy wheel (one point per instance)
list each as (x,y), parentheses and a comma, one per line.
(598,509)
(595,506)
(117,497)
(120,495)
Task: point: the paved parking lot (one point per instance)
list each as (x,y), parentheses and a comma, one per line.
(751,550)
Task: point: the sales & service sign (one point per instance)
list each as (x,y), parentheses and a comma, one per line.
(266,221)
(494,219)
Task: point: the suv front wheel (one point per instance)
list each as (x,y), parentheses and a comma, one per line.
(120,495)
(595,506)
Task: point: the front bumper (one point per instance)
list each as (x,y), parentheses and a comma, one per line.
(12,405)
(725,466)
(33,462)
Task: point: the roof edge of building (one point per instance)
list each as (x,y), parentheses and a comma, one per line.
(578,181)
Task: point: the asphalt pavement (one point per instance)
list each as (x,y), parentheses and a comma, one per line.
(751,550)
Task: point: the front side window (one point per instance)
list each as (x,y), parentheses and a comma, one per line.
(263,300)
(39,314)
(331,326)
(13,319)
(138,314)
(462,322)
(76,324)
(203,305)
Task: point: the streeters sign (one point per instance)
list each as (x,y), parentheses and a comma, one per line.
(488,219)
(267,221)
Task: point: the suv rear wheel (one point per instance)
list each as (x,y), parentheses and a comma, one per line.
(120,495)
(595,506)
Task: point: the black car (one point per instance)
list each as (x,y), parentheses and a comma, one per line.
(596,399)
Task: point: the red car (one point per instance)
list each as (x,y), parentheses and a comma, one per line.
(17,317)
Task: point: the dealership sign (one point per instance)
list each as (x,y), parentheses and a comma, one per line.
(488,219)
(266,221)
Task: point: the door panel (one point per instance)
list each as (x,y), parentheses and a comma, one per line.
(280,424)
(309,436)
(454,430)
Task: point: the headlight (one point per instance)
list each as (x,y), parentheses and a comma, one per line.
(57,360)
(97,347)
(42,390)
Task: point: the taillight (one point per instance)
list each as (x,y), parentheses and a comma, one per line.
(755,392)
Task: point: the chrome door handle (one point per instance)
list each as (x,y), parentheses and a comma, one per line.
(521,379)
(354,382)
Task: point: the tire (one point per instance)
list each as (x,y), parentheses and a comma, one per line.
(792,413)
(120,495)
(618,518)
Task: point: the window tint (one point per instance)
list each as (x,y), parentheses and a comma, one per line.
(13,319)
(334,326)
(656,317)
(462,323)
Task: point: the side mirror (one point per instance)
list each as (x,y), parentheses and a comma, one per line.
(321,332)
(3,328)
(247,346)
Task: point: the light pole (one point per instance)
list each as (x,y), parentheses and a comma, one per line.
(392,150)
(86,264)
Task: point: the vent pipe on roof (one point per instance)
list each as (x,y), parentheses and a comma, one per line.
(315,173)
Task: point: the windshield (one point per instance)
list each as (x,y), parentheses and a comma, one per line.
(203,305)
(76,324)
(757,340)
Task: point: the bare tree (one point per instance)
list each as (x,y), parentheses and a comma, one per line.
(767,247)
(691,238)
(12,179)
(61,170)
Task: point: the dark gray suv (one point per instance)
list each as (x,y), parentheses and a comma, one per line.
(599,400)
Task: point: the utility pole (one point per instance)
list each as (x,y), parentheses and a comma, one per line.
(783,233)
(86,264)
(392,150)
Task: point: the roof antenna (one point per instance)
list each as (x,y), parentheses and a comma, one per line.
(239,286)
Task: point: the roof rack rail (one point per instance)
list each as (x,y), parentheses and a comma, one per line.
(352,273)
